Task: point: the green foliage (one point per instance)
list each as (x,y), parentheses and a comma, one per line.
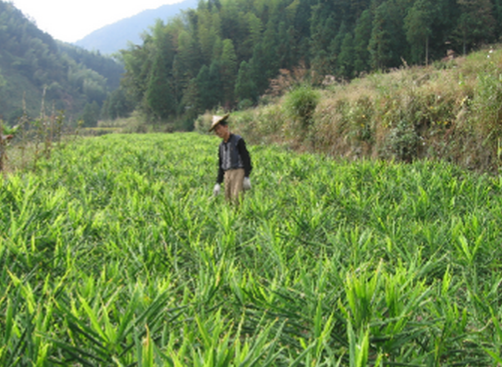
(91,114)
(488,103)
(114,253)
(345,59)
(118,104)
(334,40)
(403,140)
(229,68)
(418,24)
(34,66)
(108,67)
(245,88)
(449,110)
(300,105)
(387,43)
(475,24)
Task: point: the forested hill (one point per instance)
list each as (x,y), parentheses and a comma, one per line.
(225,52)
(32,62)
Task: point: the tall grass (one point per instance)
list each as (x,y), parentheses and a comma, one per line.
(446,111)
(114,252)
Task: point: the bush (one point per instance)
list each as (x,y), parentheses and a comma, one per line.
(403,141)
(300,105)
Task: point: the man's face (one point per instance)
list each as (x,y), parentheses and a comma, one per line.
(221,131)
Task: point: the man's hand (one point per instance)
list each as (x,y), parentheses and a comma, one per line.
(246,185)
(216,190)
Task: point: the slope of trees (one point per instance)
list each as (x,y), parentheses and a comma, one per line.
(225,52)
(33,66)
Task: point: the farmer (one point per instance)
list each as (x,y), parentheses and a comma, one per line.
(234,162)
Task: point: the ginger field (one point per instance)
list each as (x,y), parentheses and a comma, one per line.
(115,253)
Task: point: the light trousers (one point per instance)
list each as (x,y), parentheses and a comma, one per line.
(233,184)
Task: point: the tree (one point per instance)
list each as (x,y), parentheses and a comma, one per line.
(204,87)
(285,49)
(117,105)
(209,86)
(475,24)
(345,60)
(265,61)
(388,44)
(336,45)
(323,33)
(215,83)
(190,105)
(417,25)
(362,34)
(497,13)
(323,49)
(159,97)
(137,64)
(158,94)
(270,45)
(90,115)
(228,71)
(209,30)
(245,88)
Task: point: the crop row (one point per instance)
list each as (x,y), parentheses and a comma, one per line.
(116,253)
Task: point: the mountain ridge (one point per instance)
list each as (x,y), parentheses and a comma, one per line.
(116,36)
(34,67)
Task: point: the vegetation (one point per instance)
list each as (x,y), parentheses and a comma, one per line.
(225,52)
(114,252)
(35,67)
(449,110)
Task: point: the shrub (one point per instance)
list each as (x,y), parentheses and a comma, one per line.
(403,141)
(300,105)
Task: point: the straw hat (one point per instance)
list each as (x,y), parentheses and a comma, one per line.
(217,120)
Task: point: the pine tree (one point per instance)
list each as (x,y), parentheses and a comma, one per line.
(158,95)
(476,23)
(245,88)
(209,30)
(362,34)
(418,24)
(345,60)
(206,93)
(228,72)
(497,14)
(253,38)
(336,45)
(388,44)
(216,84)
(285,49)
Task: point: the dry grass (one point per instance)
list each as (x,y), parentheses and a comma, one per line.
(447,110)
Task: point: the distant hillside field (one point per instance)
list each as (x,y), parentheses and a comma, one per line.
(116,36)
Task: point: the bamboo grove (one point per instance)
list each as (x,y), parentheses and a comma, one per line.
(115,253)
(224,53)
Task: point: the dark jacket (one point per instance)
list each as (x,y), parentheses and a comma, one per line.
(232,155)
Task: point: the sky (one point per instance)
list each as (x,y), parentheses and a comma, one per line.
(72,20)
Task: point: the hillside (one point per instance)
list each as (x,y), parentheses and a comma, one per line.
(35,67)
(114,37)
(224,53)
(450,111)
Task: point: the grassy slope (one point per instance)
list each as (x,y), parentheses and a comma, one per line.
(450,110)
(115,252)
